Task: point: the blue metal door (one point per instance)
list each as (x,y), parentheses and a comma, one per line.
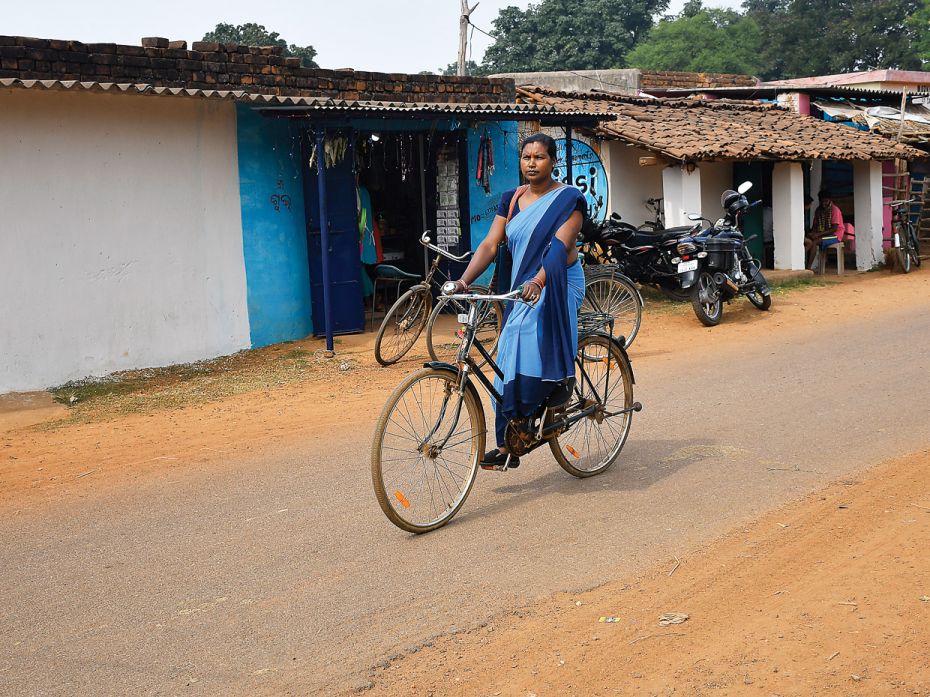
(345,267)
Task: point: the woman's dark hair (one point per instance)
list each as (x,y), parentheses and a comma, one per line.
(548,143)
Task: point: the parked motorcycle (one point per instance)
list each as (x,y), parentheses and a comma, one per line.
(722,266)
(644,257)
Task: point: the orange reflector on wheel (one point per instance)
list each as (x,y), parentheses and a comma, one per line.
(403,499)
(573,452)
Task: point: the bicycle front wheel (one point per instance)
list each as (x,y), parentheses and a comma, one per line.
(603,380)
(914,245)
(426,449)
(444,335)
(402,325)
(613,294)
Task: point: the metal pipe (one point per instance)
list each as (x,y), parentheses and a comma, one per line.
(324,235)
(568,155)
(422,161)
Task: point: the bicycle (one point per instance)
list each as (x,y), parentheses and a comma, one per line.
(607,290)
(413,311)
(904,240)
(431,434)
(657,223)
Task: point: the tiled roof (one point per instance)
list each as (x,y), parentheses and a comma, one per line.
(688,130)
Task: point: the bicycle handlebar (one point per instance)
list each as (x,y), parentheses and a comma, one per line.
(426,242)
(448,291)
(895,204)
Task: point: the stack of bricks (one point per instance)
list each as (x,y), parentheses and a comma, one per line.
(213,66)
(666,79)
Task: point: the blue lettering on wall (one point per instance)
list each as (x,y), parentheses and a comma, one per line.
(588,174)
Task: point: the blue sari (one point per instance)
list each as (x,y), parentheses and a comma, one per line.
(538,343)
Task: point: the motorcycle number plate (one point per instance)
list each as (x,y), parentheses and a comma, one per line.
(463,318)
(686,266)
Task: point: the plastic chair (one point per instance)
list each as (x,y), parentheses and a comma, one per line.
(386,274)
(838,249)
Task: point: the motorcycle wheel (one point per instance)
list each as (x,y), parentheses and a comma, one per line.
(706,300)
(762,301)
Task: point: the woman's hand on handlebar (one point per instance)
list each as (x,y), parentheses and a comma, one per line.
(460,286)
(530,292)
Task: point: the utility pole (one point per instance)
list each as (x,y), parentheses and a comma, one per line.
(464,21)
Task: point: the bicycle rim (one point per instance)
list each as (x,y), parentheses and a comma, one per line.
(592,444)
(401,326)
(614,297)
(418,486)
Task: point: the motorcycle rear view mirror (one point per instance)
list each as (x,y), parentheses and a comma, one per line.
(694,217)
(744,187)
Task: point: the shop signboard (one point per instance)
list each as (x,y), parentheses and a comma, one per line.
(588,175)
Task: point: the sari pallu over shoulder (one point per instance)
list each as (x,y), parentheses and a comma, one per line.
(538,343)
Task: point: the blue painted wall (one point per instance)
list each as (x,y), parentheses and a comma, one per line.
(274,239)
(483,206)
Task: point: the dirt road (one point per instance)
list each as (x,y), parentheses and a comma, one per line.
(235,546)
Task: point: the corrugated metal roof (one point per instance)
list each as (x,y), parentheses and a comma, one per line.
(771,91)
(301,103)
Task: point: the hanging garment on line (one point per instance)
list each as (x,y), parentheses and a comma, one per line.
(485,162)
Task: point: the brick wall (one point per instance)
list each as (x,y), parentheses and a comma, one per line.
(259,69)
(657,78)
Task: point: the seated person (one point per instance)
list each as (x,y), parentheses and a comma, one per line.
(827,228)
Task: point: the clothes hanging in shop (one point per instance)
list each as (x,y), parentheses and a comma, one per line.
(369,242)
(485,162)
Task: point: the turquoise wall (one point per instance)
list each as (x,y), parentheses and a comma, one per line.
(274,238)
(483,206)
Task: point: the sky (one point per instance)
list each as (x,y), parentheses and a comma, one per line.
(383,35)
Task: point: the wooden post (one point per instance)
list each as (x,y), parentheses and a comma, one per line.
(464,21)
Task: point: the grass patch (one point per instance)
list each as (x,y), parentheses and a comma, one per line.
(171,387)
(799,283)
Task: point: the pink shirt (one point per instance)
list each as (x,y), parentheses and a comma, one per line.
(836,218)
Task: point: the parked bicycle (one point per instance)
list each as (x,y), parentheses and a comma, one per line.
(431,433)
(413,311)
(904,241)
(607,289)
(657,223)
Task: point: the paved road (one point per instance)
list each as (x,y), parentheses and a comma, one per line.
(283,574)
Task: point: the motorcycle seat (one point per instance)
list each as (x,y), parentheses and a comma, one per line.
(654,238)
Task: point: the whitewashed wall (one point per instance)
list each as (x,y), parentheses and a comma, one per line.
(716,177)
(630,184)
(120,234)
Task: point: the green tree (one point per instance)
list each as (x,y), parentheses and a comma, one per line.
(701,40)
(471,68)
(821,37)
(569,34)
(919,26)
(251,34)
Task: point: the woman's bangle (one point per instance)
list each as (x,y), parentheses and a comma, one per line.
(540,283)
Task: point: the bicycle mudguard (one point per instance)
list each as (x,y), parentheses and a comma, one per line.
(620,345)
(469,385)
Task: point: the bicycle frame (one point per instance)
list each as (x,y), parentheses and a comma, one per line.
(465,366)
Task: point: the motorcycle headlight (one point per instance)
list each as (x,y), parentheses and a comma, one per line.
(686,248)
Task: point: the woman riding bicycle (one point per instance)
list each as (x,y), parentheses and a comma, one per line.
(540,223)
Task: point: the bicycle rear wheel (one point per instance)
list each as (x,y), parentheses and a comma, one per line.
(443,336)
(402,325)
(610,293)
(899,245)
(604,379)
(420,477)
